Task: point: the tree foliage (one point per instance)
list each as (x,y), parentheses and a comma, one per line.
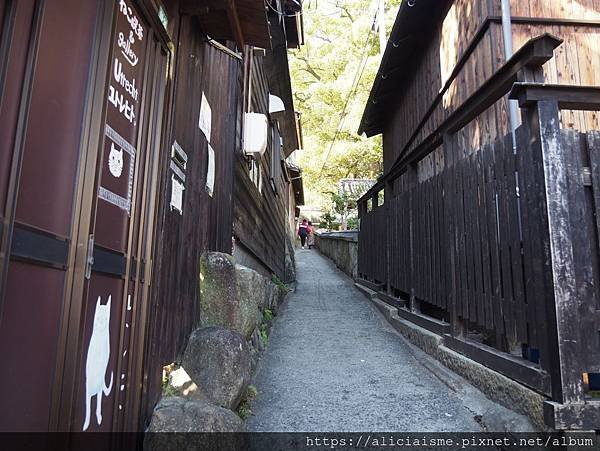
(340,38)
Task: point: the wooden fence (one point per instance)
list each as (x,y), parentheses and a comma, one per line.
(374,225)
(499,250)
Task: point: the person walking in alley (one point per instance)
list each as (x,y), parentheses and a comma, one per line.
(311,236)
(303,232)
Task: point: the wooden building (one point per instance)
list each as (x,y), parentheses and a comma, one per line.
(121,161)
(483,226)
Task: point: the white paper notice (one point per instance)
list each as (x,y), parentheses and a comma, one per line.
(177,195)
(210,173)
(205,120)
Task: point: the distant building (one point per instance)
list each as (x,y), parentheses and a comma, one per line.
(355,187)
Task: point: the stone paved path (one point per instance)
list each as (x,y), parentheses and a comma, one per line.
(334,364)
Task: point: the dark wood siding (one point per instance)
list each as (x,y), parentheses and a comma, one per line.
(260,220)
(206,222)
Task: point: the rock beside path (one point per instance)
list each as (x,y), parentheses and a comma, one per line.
(176,414)
(218,361)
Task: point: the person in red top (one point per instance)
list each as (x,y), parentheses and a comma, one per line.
(303,232)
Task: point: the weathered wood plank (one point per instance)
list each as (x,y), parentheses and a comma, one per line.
(495,244)
(515,249)
(531,283)
(478,206)
(507,270)
(462,295)
(513,367)
(484,156)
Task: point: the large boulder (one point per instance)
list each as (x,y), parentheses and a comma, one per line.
(177,414)
(290,262)
(218,303)
(231,295)
(218,361)
(251,298)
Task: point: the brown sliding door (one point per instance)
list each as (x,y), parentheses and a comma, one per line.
(82,92)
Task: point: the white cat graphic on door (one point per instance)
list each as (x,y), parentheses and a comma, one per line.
(115,161)
(98,356)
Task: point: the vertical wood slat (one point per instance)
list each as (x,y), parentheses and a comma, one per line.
(485,259)
(463,295)
(475,244)
(533,265)
(452,273)
(439,220)
(444,263)
(430,243)
(493,228)
(470,311)
(411,243)
(515,245)
(540,251)
(480,293)
(507,273)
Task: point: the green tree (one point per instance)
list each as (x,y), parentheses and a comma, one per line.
(327,221)
(332,74)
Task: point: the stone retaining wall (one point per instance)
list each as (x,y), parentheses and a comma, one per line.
(237,305)
(342,248)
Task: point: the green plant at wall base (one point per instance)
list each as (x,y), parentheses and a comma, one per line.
(278,282)
(267,315)
(169,390)
(244,410)
(251,392)
(264,334)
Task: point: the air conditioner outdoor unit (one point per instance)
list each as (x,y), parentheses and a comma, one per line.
(256,128)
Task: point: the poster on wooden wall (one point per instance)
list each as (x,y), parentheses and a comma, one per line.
(205,119)
(177,189)
(210,173)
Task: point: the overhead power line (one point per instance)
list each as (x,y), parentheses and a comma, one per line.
(357,76)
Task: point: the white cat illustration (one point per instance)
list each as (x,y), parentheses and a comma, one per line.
(98,356)
(115,161)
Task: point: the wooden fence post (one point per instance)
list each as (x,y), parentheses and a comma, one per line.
(564,305)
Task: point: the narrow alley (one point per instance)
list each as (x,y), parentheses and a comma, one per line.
(221,219)
(333,363)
